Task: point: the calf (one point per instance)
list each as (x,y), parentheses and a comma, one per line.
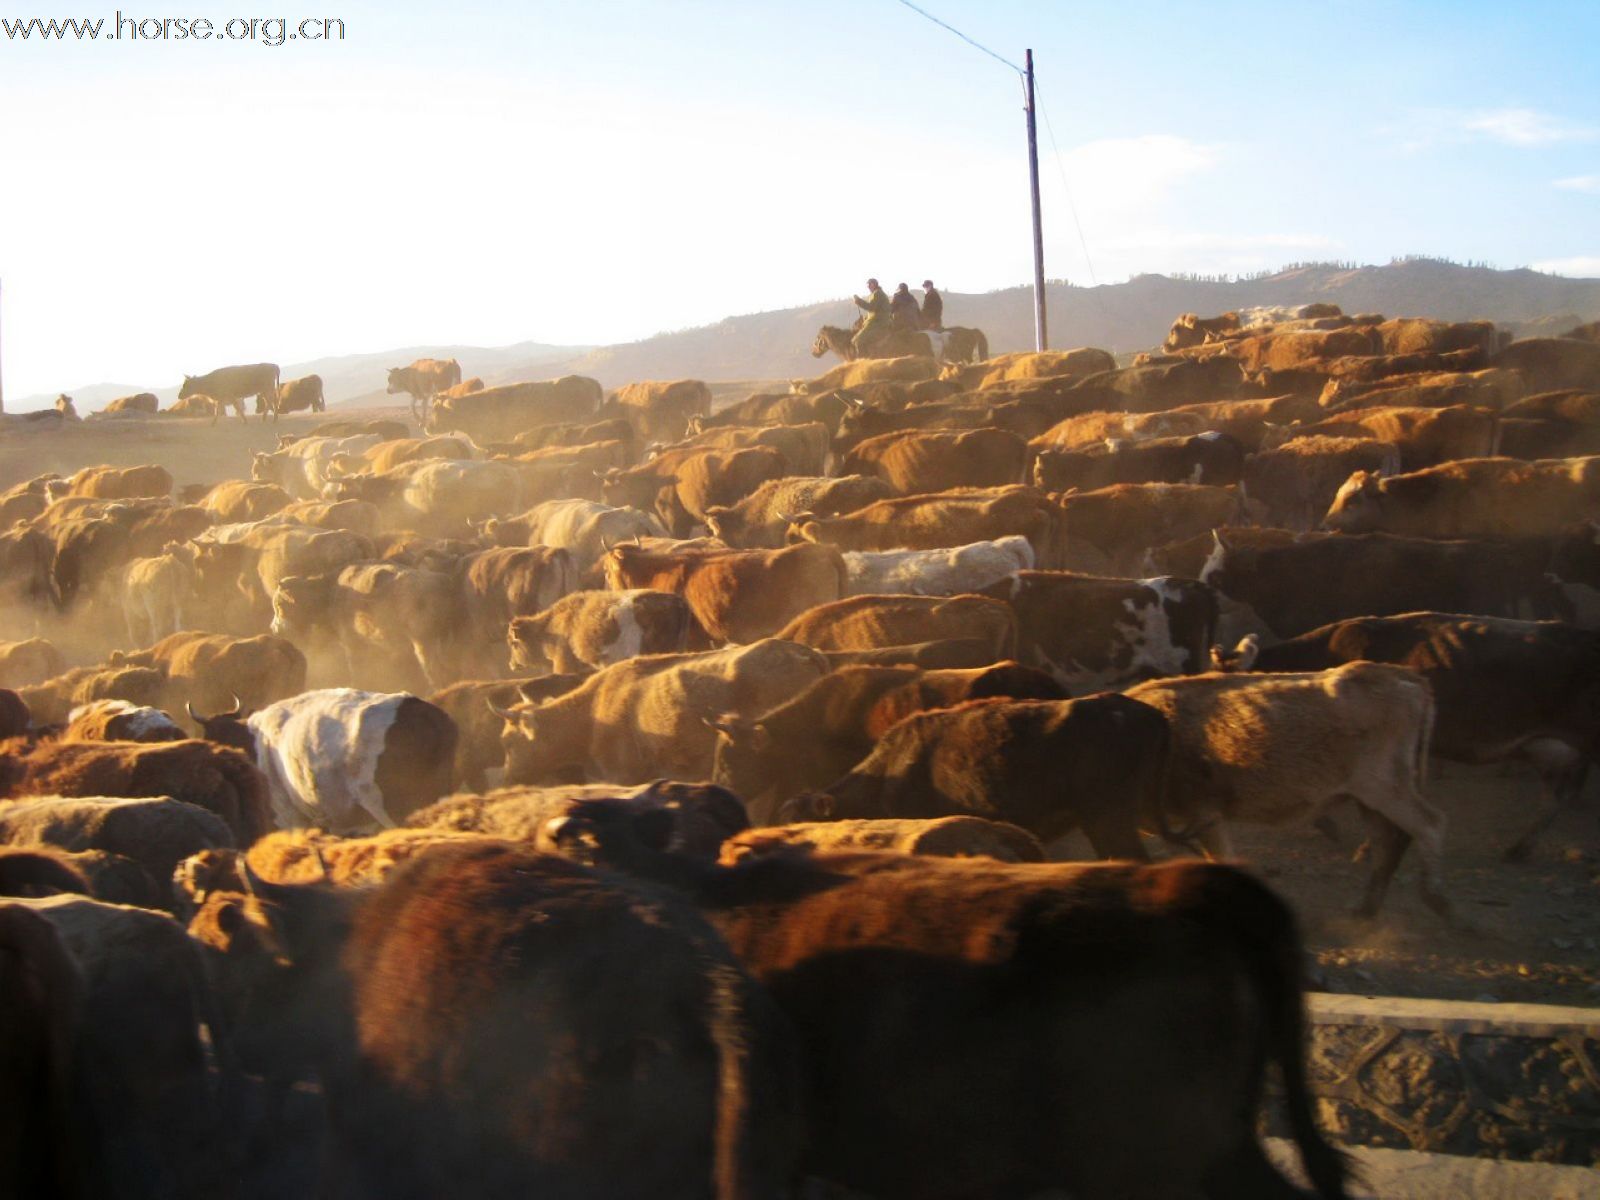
(1271,748)
(1503,688)
(809,740)
(342,759)
(1049,766)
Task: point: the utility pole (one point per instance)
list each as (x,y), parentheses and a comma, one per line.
(2,392)
(1041,336)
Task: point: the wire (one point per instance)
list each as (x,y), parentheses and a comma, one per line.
(1066,187)
(976,45)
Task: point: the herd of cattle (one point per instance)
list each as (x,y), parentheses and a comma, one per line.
(604,797)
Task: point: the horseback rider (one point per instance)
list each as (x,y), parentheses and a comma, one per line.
(932,315)
(878,314)
(903,312)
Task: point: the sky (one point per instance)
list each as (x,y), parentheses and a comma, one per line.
(490,173)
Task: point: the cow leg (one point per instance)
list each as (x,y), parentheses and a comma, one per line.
(1562,772)
(1387,843)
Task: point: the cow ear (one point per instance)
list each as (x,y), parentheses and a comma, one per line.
(1218,542)
(116,658)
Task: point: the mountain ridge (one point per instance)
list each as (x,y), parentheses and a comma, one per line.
(1122,317)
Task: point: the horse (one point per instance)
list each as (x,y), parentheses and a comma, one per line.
(892,343)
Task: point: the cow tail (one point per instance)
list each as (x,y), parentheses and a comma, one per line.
(1246,915)
(1425,734)
(982,345)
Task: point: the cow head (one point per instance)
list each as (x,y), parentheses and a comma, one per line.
(617,833)
(527,641)
(396,381)
(227,728)
(277,949)
(299,604)
(187,388)
(520,739)
(1358,505)
(741,762)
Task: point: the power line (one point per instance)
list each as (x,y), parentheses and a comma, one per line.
(1067,188)
(976,45)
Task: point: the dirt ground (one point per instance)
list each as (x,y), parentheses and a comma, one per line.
(1525,932)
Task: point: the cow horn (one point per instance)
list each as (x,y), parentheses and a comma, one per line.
(238,707)
(193,716)
(786,518)
(505,714)
(605,543)
(637,540)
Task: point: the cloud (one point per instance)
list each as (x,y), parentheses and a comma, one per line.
(1525,127)
(1582,266)
(1580,183)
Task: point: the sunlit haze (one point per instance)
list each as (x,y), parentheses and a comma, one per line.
(585,174)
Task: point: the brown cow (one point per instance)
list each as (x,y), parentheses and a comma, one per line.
(231,385)
(589,630)
(919,461)
(1270,748)
(809,740)
(294,395)
(242,500)
(735,595)
(1504,688)
(217,778)
(1209,458)
(113,483)
(1481,497)
(1294,483)
(498,414)
(629,722)
(875,957)
(143,403)
(29,662)
(1425,437)
(1295,587)
(941,519)
(589,1037)
(1115,526)
(869,622)
(660,412)
(760,520)
(424,379)
(504,584)
(474,705)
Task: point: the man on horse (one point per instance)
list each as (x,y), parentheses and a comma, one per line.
(878,314)
(903,312)
(932,316)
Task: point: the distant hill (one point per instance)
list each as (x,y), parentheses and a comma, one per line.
(351,378)
(1120,317)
